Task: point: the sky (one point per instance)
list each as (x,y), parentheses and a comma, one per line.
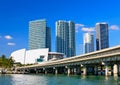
(15,15)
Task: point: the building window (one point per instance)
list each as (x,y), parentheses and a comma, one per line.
(41,58)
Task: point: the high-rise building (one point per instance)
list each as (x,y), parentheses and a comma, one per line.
(102,36)
(39,35)
(65,37)
(48,38)
(88,42)
(71,39)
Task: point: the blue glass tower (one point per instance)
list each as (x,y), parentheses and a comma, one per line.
(39,35)
(65,37)
(102,37)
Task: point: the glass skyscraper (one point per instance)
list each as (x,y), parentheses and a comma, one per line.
(88,42)
(102,36)
(65,38)
(39,35)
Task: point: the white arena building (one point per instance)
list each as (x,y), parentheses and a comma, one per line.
(24,56)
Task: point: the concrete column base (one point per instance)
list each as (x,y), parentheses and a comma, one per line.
(106,70)
(95,70)
(56,71)
(115,70)
(118,70)
(84,69)
(68,71)
(78,70)
(45,72)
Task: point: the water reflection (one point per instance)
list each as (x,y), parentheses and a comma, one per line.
(106,77)
(5,79)
(29,80)
(18,79)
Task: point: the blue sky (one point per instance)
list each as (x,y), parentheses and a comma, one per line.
(15,15)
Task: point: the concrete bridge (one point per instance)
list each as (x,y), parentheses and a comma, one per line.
(103,62)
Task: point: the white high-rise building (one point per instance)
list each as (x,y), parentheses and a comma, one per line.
(88,42)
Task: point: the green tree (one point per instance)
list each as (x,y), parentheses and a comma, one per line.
(10,62)
(6,62)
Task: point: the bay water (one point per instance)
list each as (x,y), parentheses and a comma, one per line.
(38,79)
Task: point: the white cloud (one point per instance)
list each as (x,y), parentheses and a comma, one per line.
(78,26)
(11,44)
(8,37)
(91,29)
(114,27)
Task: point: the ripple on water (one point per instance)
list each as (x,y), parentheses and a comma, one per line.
(21,79)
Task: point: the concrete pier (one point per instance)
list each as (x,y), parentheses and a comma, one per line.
(84,70)
(106,70)
(115,70)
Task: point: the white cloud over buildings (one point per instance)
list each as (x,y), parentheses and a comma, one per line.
(11,44)
(86,29)
(8,37)
(81,27)
(78,26)
(114,27)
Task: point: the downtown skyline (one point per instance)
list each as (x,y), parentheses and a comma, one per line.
(15,15)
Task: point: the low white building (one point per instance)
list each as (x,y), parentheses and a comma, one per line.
(36,55)
(19,56)
(24,56)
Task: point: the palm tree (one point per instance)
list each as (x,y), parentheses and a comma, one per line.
(3,58)
(6,62)
(10,62)
(0,62)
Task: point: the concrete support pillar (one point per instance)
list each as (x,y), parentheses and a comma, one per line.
(96,70)
(115,70)
(75,70)
(23,71)
(36,71)
(68,71)
(84,69)
(101,70)
(106,70)
(111,70)
(78,70)
(45,71)
(71,70)
(56,71)
(118,69)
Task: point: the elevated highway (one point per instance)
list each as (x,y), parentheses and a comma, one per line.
(98,62)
